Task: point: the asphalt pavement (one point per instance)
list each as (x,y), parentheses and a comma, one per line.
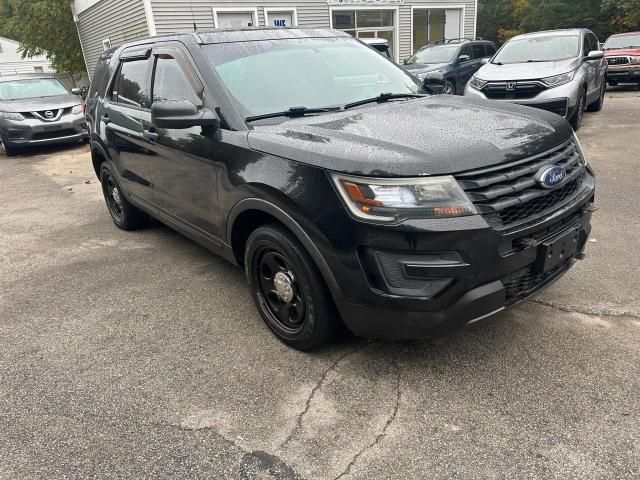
(140,354)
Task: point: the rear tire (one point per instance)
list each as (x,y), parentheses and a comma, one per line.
(576,119)
(597,105)
(123,214)
(288,289)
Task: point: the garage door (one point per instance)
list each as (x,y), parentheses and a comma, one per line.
(235,19)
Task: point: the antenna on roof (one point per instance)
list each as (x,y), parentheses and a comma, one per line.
(193,17)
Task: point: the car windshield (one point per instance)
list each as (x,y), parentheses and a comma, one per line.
(440,54)
(539,49)
(622,41)
(275,75)
(31,88)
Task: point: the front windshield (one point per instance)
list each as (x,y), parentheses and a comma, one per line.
(539,49)
(275,75)
(622,41)
(31,88)
(426,55)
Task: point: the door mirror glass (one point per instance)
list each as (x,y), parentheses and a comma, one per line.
(595,55)
(76,91)
(181,114)
(463,58)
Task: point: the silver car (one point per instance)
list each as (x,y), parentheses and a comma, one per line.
(562,71)
(37,110)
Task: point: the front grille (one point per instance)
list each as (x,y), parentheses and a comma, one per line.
(618,60)
(513,90)
(510,194)
(55,134)
(523,282)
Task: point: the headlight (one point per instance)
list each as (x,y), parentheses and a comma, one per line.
(558,80)
(477,83)
(77,109)
(421,75)
(11,116)
(635,60)
(389,200)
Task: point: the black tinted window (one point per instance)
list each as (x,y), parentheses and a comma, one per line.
(478,50)
(172,83)
(130,86)
(466,50)
(491,50)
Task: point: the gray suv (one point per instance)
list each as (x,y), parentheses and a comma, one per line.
(38,110)
(562,71)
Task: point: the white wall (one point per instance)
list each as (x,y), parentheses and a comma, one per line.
(11,61)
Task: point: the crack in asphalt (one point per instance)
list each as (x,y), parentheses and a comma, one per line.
(383,432)
(315,388)
(587,311)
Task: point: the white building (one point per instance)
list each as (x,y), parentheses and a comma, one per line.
(11,61)
(406,24)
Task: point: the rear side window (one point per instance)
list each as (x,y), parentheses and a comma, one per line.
(172,81)
(130,85)
(478,50)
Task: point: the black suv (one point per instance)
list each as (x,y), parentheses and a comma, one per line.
(456,60)
(302,155)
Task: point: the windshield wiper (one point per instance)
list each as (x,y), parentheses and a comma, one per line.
(538,61)
(384,97)
(292,112)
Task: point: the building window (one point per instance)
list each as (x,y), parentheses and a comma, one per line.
(378,23)
(106,44)
(235,17)
(431,25)
(38,69)
(280,17)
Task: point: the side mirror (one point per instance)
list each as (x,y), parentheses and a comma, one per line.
(434,83)
(463,58)
(595,55)
(485,60)
(76,91)
(181,114)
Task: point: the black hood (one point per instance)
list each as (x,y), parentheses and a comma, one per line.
(40,103)
(436,135)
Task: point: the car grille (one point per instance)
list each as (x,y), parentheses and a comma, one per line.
(523,282)
(510,194)
(618,60)
(513,90)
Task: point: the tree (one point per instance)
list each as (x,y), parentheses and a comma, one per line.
(44,27)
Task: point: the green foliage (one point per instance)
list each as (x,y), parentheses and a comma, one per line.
(501,19)
(43,27)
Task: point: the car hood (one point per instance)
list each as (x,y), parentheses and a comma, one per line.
(435,135)
(622,52)
(526,71)
(38,104)
(424,68)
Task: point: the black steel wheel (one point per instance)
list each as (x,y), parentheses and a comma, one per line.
(123,214)
(288,289)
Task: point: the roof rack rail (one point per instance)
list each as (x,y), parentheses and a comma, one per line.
(455,40)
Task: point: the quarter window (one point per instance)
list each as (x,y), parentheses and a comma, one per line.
(130,86)
(172,83)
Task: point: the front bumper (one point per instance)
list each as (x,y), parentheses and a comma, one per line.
(562,100)
(32,131)
(461,271)
(624,73)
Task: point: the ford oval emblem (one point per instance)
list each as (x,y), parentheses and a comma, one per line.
(550,177)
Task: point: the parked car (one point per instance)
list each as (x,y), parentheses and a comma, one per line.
(379,44)
(456,60)
(38,110)
(623,56)
(562,71)
(321,181)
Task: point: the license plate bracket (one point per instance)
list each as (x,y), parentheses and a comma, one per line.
(558,249)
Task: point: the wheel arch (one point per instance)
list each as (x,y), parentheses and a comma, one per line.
(251,213)
(98,157)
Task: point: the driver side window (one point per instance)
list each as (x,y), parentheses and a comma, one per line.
(172,82)
(466,50)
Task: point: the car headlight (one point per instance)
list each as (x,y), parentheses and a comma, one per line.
(77,109)
(558,80)
(388,200)
(634,60)
(421,75)
(477,83)
(11,116)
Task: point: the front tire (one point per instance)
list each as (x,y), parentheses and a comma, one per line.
(9,150)
(449,88)
(288,289)
(576,119)
(123,214)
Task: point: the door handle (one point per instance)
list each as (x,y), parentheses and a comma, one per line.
(105,119)
(151,136)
